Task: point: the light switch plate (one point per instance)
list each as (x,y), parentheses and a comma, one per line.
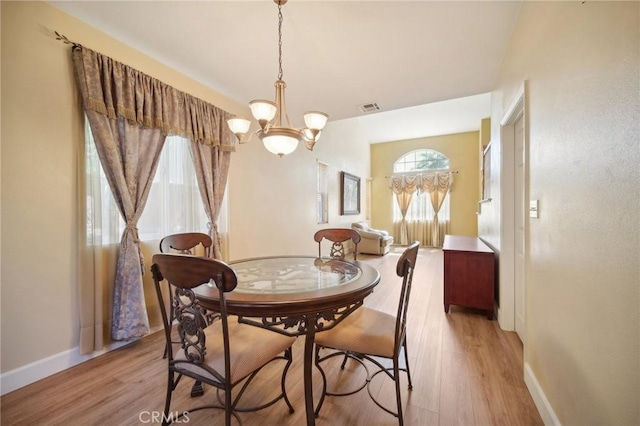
(533,209)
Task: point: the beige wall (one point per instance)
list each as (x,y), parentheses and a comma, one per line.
(583,301)
(581,64)
(42,130)
(462,150)
(272,200)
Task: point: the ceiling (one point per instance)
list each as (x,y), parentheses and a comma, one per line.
(429,65)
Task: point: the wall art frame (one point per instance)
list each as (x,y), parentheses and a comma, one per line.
(349,194)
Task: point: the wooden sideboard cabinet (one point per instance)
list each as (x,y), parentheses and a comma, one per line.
(469,273)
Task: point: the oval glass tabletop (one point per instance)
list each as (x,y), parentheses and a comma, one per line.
(292,274)
(292,285)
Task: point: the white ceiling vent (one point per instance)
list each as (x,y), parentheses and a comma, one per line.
(370,107)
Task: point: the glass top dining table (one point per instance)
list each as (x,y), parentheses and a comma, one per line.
(282,275)
(295,295)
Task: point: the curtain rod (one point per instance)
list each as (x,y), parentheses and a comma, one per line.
(424,173)
(65,40)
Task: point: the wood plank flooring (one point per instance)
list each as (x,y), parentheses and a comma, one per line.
(465,371)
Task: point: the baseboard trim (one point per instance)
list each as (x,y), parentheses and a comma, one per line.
(38,370)
(539,398)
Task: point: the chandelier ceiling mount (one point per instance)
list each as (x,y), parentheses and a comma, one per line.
(276,137)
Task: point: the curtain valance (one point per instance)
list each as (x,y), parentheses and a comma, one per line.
(117,90)
(424,182)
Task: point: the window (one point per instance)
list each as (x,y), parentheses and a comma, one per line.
(420,223)
(424,159)
(322,191)
(174,203)
(418,161)
(421,209)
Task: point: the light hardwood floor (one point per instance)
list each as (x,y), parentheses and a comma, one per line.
(465,371)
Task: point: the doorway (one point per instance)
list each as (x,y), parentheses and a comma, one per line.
(519,224)
(514,194)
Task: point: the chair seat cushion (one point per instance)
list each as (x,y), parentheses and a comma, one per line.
(251,348)
(365,331)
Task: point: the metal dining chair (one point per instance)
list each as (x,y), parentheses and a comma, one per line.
(213,350)
(368,333)
(190,243)
(337,236)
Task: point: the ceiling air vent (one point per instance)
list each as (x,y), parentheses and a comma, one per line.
(370,107)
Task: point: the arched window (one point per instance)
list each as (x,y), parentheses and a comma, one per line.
(421,160)
(420,224)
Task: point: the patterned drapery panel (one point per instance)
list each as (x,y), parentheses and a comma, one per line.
(404,187)
(130,114)
(212,168)
(437,186)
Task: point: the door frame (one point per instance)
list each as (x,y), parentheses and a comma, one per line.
(517,108)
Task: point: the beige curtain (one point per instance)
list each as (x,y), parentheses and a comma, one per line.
(404,187)
(212,169)
(129,156)
(437,185)
(423,231)
(130,115)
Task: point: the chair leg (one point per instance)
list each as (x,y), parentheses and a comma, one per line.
(344,361)
(396,379)
(228,407)
(197,389)
(289,357)
(167,401)
(406,361)
(324,381)
(348,355)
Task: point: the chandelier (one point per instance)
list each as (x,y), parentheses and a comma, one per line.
(277,138)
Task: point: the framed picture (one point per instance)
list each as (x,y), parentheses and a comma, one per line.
(349,194)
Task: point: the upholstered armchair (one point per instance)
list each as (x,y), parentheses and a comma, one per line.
(373,241)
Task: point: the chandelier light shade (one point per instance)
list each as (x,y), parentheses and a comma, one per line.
(278,138)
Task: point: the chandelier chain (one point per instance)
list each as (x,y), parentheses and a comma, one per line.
(278,137)
(279,41)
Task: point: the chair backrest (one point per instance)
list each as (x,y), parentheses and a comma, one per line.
(337,236)
(184,273)
(186,243)
(405,268)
